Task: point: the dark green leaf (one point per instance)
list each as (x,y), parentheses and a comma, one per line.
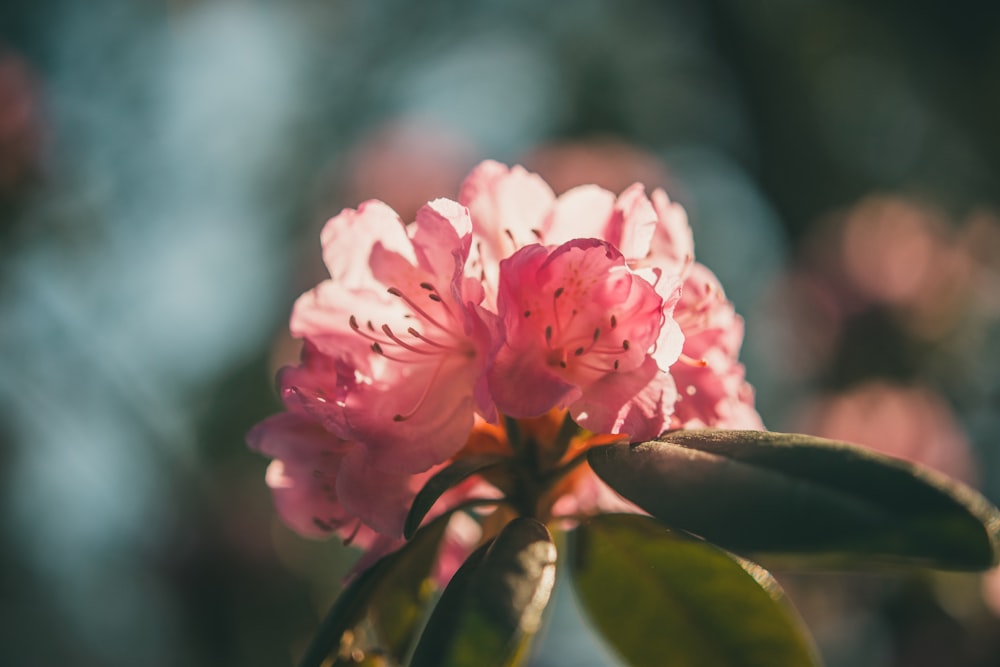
(442,481)
(787,494)
(663,598)
(381,608)
(493,606)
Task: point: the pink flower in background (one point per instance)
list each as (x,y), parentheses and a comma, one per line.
(406,162)
(911,423)
(607,162)
(22,128)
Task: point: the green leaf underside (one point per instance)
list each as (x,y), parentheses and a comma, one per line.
(489,613)
(794,495)
(665,599)
(443,480)
(382,607)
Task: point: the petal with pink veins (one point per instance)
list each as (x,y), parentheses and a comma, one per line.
(347,240)
(638,403)
(380,499)
(577,319)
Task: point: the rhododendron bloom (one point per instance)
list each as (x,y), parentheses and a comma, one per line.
(405,326)
(511,321)
(712,391)
(579,327)
(305,479)
(511,208)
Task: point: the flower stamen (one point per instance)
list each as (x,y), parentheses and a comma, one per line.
(423,395)
(691,361)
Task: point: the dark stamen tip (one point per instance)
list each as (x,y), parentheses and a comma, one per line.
(597,333)
(548,333)
(398,418)
(377,349)
(394,291)
(559,292)
(427,286)
(614,321)
(354,323)
(578,351)
(527,313)
(434,297)
(625,344)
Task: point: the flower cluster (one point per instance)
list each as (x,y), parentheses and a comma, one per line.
(508,306)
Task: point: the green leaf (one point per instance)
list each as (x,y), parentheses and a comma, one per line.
(381,610)
(788,494)
(663,598)
(491,610)
(442,481)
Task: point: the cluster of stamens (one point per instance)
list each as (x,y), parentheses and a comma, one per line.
(581,346)
(425,347)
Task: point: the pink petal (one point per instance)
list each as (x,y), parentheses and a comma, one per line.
(380,499)
(348,239)
(303,474)
(638,403)
(523,387)
(293,437)
(583,212)
(317,388)
(672,245)
(442,237)
(501,198)
(412,423)
(634,223)
(579,327)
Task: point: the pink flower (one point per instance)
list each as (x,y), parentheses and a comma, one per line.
(512,208)
(580,327)
(514,301)
(401,321)
(508,207)
(321,484)
(711,388)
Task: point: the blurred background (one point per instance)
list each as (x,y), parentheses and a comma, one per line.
(165,169)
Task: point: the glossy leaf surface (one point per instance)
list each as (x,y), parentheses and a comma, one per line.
(494,604)
(786,494)
(665,599)
(382,608)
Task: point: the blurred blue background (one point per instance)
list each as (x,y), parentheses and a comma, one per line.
(165,168)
